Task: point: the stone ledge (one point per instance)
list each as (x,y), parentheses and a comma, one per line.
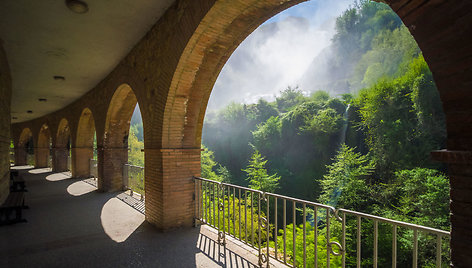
(452,157)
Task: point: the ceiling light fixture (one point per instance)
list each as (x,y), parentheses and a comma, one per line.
(77,6)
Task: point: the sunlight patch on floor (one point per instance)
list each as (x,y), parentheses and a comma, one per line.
(40,170)
(80,188)
(22,167)
(119,220)
(57,177)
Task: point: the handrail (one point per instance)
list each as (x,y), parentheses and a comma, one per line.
(399,223)
(134,181)
(129,165)
(245,214)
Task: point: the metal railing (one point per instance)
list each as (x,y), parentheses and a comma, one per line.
(268,223)
(133,179)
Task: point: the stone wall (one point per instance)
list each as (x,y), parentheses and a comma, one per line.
(5,121)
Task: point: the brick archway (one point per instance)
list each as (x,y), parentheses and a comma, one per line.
(442,31)
(114,152)
(201,62)
(173,69)
(43,147)
(82,151)
(61,147)
(26,137)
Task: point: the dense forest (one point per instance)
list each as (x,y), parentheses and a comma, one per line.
(365,150)
(359,141)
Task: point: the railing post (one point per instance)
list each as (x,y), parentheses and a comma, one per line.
(217,197)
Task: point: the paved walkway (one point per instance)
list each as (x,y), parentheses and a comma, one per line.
(70,224)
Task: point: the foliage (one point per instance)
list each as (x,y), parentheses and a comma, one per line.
(346,183)
(241,215)
(423,197)
(310,246)
(135,155)
(326,121)
(257,174)
(212,170)
(392,116)
(289,98)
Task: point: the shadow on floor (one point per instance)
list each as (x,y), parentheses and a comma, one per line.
(70,224)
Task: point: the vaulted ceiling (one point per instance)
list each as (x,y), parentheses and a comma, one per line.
(44,39)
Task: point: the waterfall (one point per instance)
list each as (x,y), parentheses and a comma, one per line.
(342,138)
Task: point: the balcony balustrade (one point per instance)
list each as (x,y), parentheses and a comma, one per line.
(259,219)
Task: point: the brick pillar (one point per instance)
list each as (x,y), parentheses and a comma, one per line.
(81,162)
(41,157)
(59,159)
(20,156)
(460,175)
(110,168)
(169,186)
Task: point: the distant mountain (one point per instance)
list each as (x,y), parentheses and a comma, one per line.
(325,74)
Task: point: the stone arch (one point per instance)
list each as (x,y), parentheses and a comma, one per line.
(201,62)
(43,147)
(82,151)
(62,147)
(434,25)
(114,152)
(24,146)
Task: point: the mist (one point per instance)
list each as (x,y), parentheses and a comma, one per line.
(279,54)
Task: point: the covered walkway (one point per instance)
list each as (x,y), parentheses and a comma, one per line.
(70,224)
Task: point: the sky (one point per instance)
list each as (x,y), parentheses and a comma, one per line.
(277,54)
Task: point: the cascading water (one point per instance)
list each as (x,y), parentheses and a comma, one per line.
(337,192)
(342,140)
(342,137)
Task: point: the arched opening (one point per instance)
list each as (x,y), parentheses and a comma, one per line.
(115,142)
(62,149)
(85,147)
(43,150)
(192,96)
(134,171)
(24,151)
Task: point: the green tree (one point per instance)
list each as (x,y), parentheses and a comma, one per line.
(289,98)
(257,174)
(135,155)
(423,196)
(346,183)
(210,169)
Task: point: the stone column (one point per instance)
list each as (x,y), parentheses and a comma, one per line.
(81,162)
(110,168)
(169,187)
(20,156)
(60,157)
(460,175)
(41,157)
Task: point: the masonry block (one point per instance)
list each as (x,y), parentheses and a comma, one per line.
(110,168)
(60,159)
(20,156)
(170,187)
(81,162)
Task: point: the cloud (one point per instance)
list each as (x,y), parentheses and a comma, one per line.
(277,54)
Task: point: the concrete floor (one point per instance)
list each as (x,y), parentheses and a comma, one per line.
(70,224)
